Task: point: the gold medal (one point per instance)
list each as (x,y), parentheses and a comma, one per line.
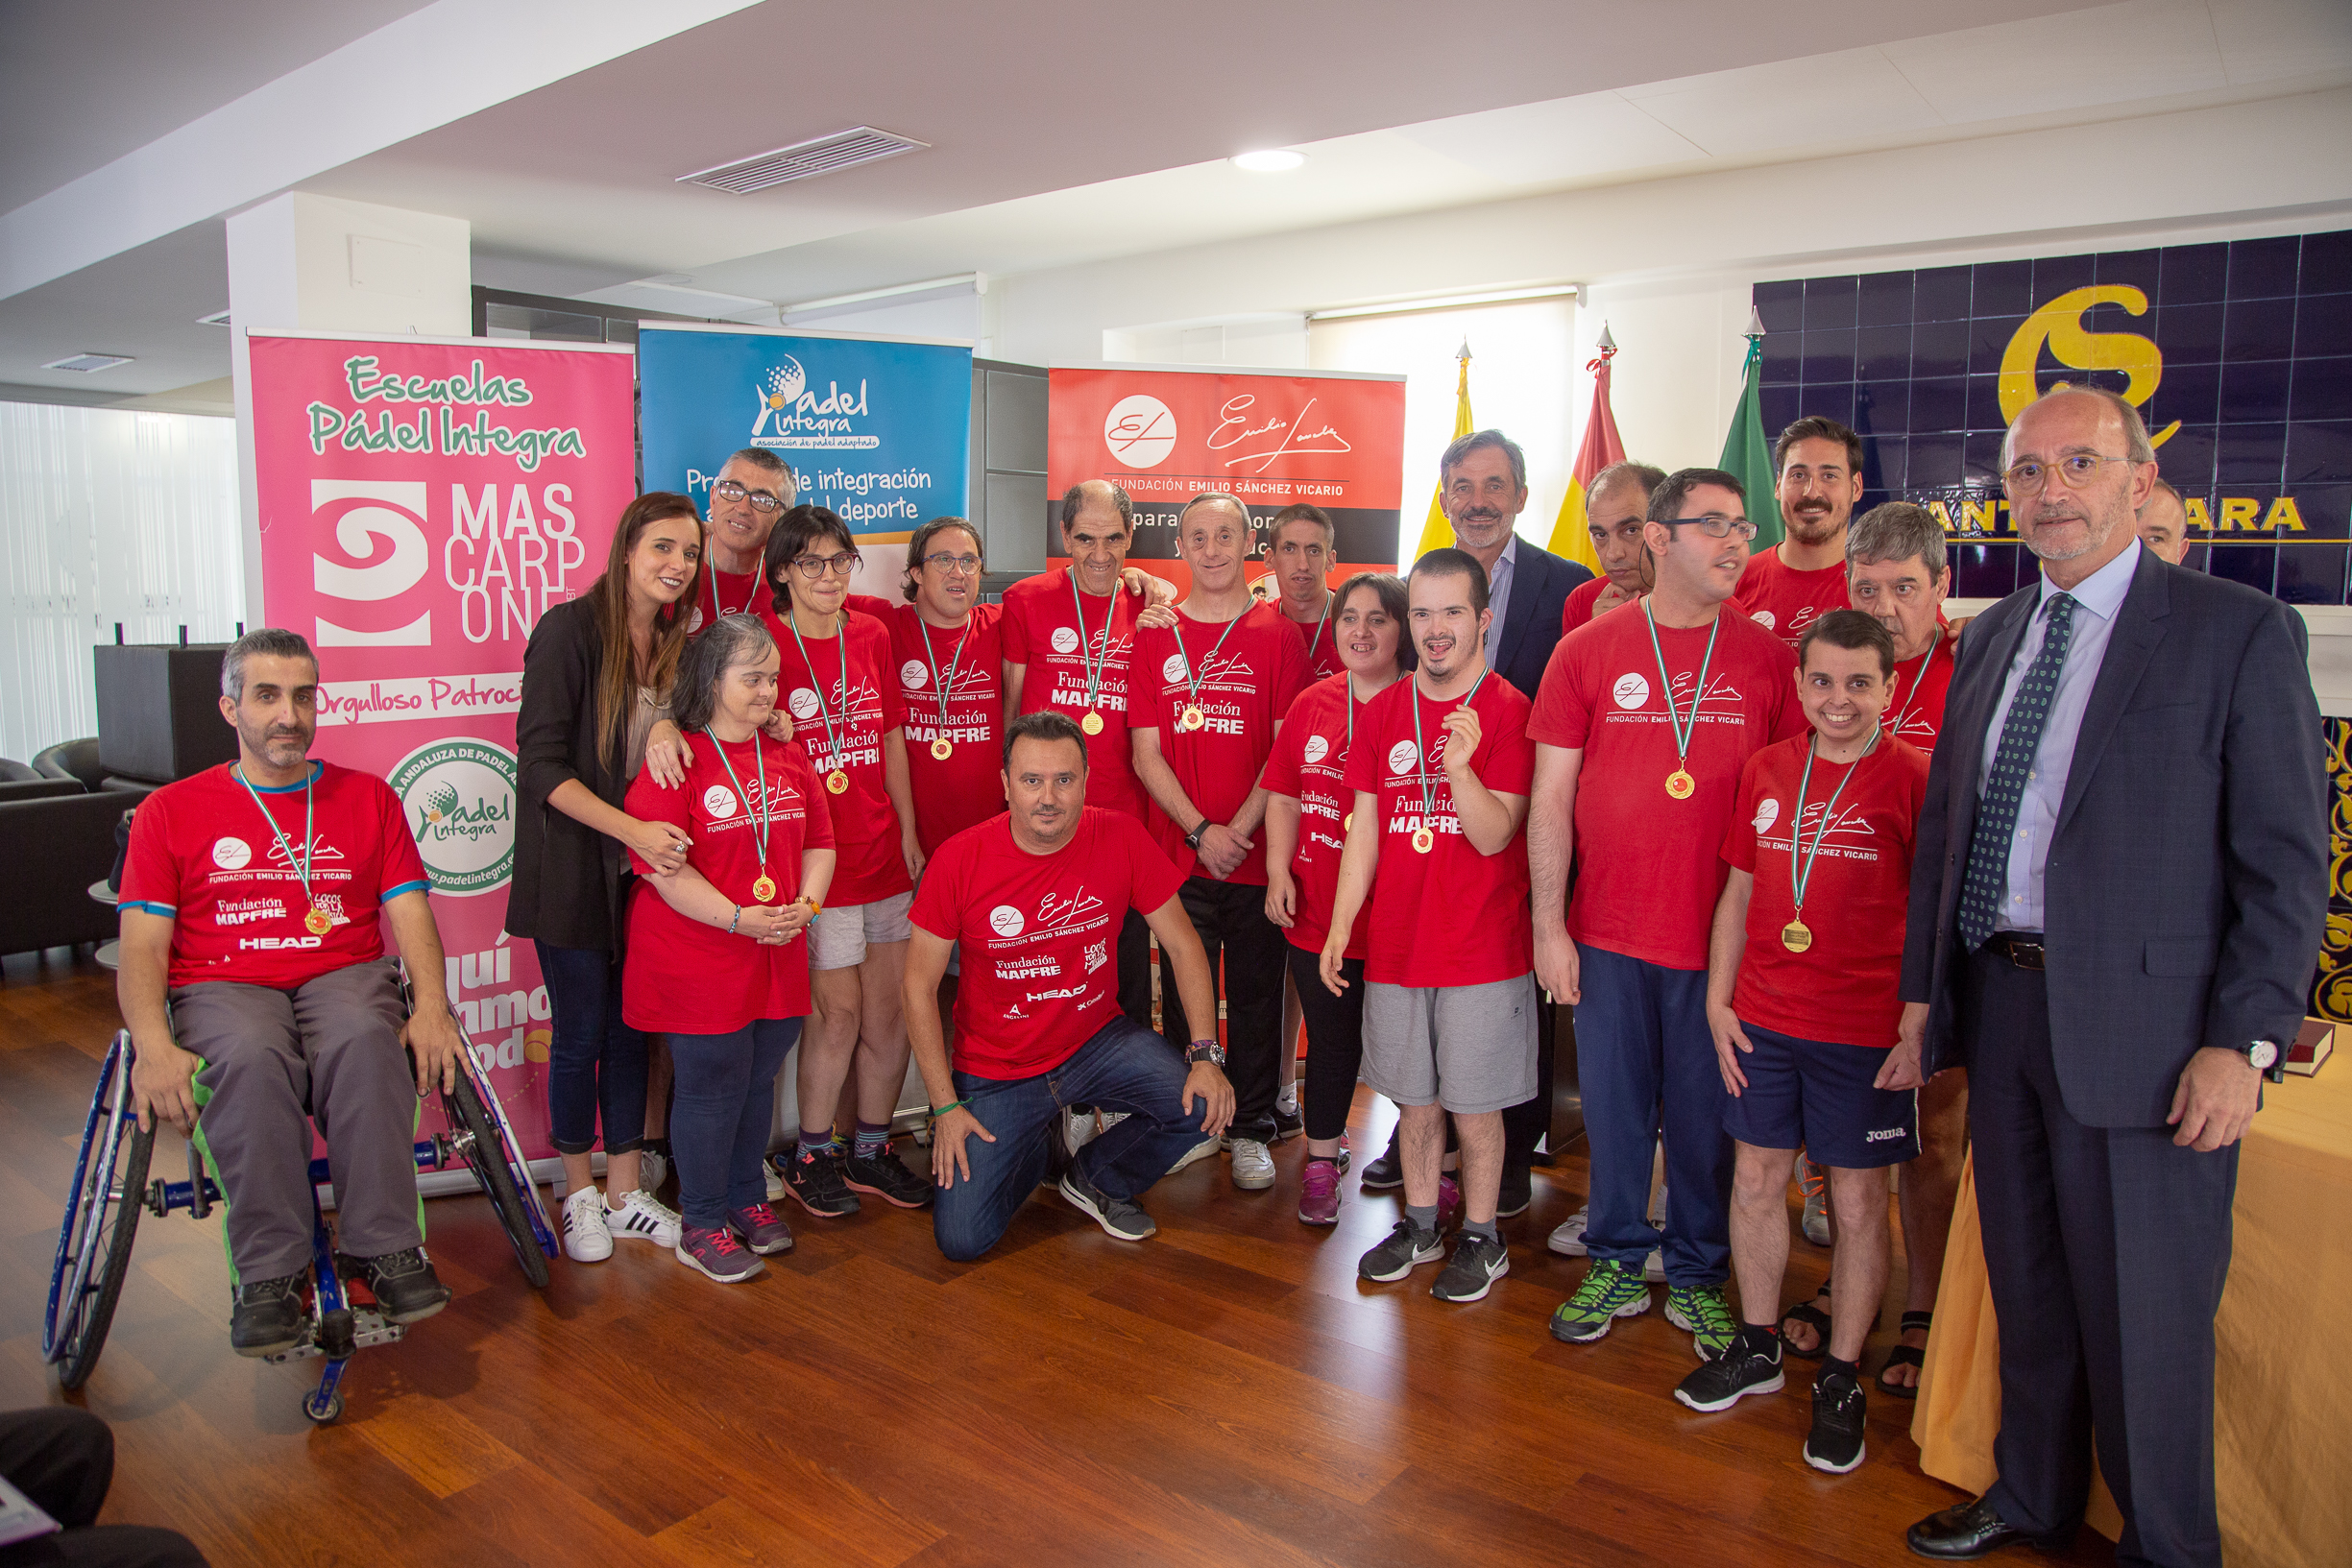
(317,923)
(837,782)
(1092,723)
(1679,784)
(1424,840)
(941,749)
(1796,936)
(764,889)
(1347,823)
(1193,719)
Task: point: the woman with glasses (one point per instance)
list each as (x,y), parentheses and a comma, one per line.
(595,679)
(839,684)
(716,961)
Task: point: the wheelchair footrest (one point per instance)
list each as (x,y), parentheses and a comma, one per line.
(368,1330)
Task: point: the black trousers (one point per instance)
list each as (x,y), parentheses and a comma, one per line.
(1335,1039)
(2107,1248)
(1231,918)
(63,1459)
(1136,970)
(1525,1124)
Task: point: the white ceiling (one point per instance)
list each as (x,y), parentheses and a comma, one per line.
(1064,131)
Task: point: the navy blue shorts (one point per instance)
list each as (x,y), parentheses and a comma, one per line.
(1817,1096)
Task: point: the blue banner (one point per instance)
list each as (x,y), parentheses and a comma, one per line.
(879,431)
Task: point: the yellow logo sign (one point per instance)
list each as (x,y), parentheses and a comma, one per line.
(2059,324)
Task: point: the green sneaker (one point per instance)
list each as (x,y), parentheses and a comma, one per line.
(1703,1311)
(1610,1291)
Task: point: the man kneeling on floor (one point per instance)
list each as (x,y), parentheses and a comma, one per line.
(1034,899)
(249,902)
(1802,997)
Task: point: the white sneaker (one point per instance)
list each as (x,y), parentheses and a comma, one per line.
(1568,1235)
(1077,1129)
(1654,1268)
(1657,1206)
(644,1218)
(586,1237)
(775,1183)
(1194,1155)
(1253,1168)
(653,1170)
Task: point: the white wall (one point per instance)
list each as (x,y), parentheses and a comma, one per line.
(1668,263)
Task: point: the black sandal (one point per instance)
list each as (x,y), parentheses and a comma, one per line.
(1812,1317)
(1904,1355)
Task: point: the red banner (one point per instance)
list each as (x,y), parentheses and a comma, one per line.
(421,504)
(1273,439)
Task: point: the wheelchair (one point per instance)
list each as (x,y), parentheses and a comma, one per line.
(110,1188)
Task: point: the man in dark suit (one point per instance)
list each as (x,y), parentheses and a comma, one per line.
(2117,899)
(1483,480)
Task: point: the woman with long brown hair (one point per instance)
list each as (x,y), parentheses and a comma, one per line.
(595,679)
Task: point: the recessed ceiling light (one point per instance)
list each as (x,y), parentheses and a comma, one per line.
(86,363)
(1270,160)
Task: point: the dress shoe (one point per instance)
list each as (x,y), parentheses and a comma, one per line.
(1972,1530)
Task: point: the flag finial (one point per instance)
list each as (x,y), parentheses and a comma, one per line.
(1756,323)
(1608,345)
(1463,354)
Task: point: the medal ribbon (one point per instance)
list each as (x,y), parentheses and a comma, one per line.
(824,710)
(760,813)
(1322,621)
(1429,788)
(1684,732)
(301,867)
(1093,668)
(1801,872)
(1919,680)
(718,609)
(946,686)
(1192,681)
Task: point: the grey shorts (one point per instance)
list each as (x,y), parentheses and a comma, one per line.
(843,932)
(1470,1048)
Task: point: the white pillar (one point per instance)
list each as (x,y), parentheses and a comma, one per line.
(322,264)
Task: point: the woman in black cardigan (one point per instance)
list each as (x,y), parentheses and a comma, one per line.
(595,680)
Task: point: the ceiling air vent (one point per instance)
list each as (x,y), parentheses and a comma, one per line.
(802,160)
(86,363)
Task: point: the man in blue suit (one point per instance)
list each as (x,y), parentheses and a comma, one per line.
(2118,893)
(1483,480)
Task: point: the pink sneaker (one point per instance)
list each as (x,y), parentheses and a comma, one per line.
(1449,1203)
(1320,1203)
(762,1229)
(714,1252)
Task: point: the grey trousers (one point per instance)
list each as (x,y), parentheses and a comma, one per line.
(331,1050)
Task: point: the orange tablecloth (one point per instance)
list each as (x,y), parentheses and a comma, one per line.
(2283,1378)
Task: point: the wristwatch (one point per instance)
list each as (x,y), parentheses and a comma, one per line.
(1191,840)
(1206,1051)
(2267,1059)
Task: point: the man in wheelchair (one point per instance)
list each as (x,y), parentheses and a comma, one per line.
(255,988)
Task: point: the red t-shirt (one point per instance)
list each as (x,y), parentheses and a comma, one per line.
(1041,631)
(1785,602)
(1249,672)
(1310,765)
(1578,611)
(1452,916)
(968,788)
(1320,638)
(1039,935)
(1915,701)
(1844,988)
(861,695)
(682,976)
(1649,874)
(202,857)
(727,593)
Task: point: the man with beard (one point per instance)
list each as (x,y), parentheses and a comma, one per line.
(2117,1009)
(1615,508)
(2163,523)
(1803,578)
(751,492)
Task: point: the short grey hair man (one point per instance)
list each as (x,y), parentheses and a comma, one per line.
(268,642)
(1897,531)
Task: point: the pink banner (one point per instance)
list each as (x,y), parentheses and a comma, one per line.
(421,504)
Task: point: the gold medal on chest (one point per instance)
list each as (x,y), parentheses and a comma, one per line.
(837,782)
(1796,936)
(764,889)
(1092,723)
(317,922)
(941,749)
(1193,719)
(1424,840)
(1347,823)
(1679,784)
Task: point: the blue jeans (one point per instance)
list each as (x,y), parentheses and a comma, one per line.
(596,1063)
(1123,1068)
(1645,1060)
(722,1108)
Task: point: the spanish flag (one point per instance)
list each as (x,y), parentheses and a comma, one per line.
(1437,532)
(1601,447)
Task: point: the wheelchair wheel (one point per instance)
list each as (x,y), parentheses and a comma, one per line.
(102,1216)
(483,1148)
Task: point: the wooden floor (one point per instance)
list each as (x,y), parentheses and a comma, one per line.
(1225,1392)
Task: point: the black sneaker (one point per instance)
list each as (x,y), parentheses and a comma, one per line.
(404,1285)
(1288,1124)
(265,1315)
(1516,1192)
(1839,1407)
(884,1175)
(1723,1380)
(1122,1219)
(1400,1254)
(1477,1263)
(816,1180)
(1386,1174)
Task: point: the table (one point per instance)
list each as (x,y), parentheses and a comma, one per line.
(2283,1372)
(109,953)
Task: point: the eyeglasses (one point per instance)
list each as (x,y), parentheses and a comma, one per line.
(727,490)
(2076,469)
(1715,526)
(814,566)
(963,564)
